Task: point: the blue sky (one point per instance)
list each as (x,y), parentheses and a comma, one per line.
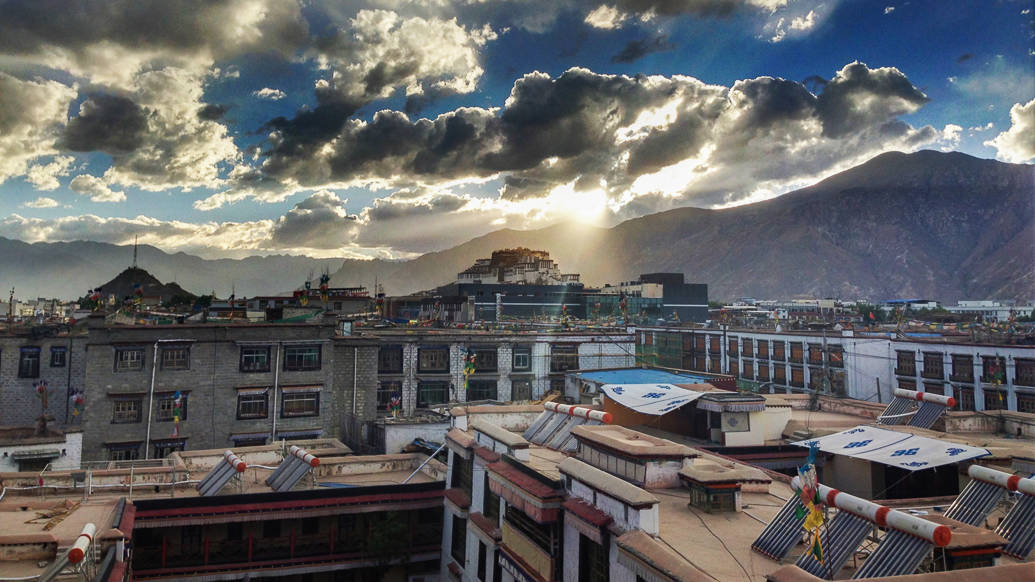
(387,128)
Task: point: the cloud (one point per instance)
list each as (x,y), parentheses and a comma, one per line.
(636,142)
(889,9)
(269,93)
(637,49)
(1016,144)
(964,57)
(45,176)
(110,42)
(41,202)
(794,20)
(32,115)
(605,17)
(109,123)
(321,221)
(95,188)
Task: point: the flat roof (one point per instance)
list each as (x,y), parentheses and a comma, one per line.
(641,376)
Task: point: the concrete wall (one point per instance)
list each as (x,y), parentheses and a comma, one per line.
(397,436)
(71,447)
(19,403)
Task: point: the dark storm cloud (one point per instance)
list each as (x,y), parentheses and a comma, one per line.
(637,49)
(860,97)
(387,209)
(518,187)
(212,112)
(964,58)
(108,123)
(28,26)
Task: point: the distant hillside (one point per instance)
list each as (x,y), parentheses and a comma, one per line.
(125,285)
(67,270)
(929,224)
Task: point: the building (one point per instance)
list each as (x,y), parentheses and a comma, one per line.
(429,368)
(1001,310)
(49,357)
(661,295)
(344,517)
(153,390)
(856,364)
(519,266)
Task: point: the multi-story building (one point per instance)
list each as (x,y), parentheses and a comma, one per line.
(47,357)
(860,365)
(152,390)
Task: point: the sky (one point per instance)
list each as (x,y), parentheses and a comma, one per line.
(390,128)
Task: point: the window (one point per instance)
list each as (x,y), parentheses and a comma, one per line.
(836,356)
(797,377)
(815,354)
(715,366)
(167,408)
(713,343)
(700,363)
(907,384)
(647,338)
(522,358)
(490,504)
(485,360)
(1025,375)
(778,351)
(1025,402)
(763,372)
(732,349)
(779,374)
(249,441)
(164,448)
(123,451)
(965,398)
(699,342)
(481,390)
(748,347)
(433,359)
(540,534)
(521,390)
(300,404)
(905,363)
(733,367)
(58,357)
(129,359)
(253,404)
(430,393)
(29,363)
(125,411)
(593,562)
(796,352)
(177,358)
(390,360)
(962,368)
(462,474)
(458,545)
(934,388)
(255,359)
(749,370)
(993,369)
(298,358)
(933,366)
(763,349)
(481,561)
(995,399)
(564,357)
(385,391)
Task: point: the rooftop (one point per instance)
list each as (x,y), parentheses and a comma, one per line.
(642,376)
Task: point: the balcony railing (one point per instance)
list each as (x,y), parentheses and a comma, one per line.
(905,370)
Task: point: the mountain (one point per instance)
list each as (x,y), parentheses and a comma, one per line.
(124,285)
(68,270)
(934,225)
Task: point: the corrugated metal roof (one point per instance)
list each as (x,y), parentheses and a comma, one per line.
(641,376)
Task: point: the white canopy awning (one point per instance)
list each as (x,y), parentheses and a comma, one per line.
(893,448)
(656,399)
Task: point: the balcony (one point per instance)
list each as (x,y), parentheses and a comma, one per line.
(905,370)
(528,552)
(962,378)
(933,374)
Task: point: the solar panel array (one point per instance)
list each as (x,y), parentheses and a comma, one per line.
(927,414)
(1019,527)
(898,554)
(221,474)
(295,465)
(894,413)
(977,500)
(842,536)
(552,428)
(777,539)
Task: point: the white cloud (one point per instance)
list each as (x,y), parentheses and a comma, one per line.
(605,17)
(803,23)
(45,176)
(889,9)
(980,128)
(95,188)
(795,20)
(32,114)
(1017,143)
(381,51)
(951,137)
(41,202)
(269,93)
